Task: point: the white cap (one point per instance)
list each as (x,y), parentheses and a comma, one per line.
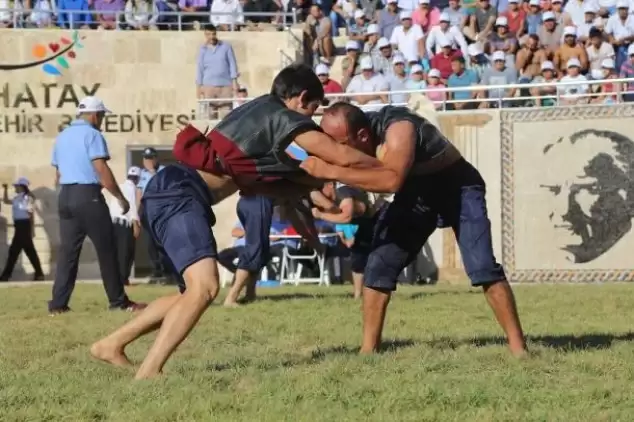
(423,1)
(533,3)
(630,50)
(359,14)
(392,1)
(91,105)
(416,69)
(589,8)
(352,45)
(366,63)
(444,17)
(607,63)
(548,65)
(514,1)
(501,21)
(574,62)
(22,181)
(398,59)
(322,69)
(548,15)
(474,49)
(498,55)
(372,29)
(405,14)
(382,43)
(570,30)
(134,171)
(557,1)
(434,73)
(622,4)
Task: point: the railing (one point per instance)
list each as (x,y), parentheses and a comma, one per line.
(173,18)
(285,59)
(557,98)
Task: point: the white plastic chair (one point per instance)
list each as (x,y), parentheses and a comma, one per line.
(291,270)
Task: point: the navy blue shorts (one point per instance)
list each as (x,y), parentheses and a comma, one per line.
(255,214)
(176,212)
(455,197)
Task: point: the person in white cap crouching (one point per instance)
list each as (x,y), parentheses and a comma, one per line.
(22,209)
(126,224)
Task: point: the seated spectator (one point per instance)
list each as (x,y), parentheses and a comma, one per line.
(397,81)
(620,30)
(371,40)
(425,15)
(608,91)
(261,6)
(583,28)
(383,61)
(627,71)
(108,13)
(350,63)
(416,78)
(502,40)
(167,21)
(529,59)
(477,60)
(342,15)
(388,19)
(371,9)
(141,14)
(575,10)
(462,78)
(408,38)
(435,90)
(456,14)
(574,94)
(444,31)
(194,11)
(42,14)
(499,74)
(357,29)
(6,14)
(368,82)
(598,50)
(226,14)
(442,61)
(516,19)
(411,61)
(533,17)
(569,49)
(318,35)
(67,20)
(548,77)
(481,22)
(557,9)
(330,86)
(241,97)
(550,33)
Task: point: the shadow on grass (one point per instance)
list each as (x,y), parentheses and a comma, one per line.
(295,296)
(386,347)
(591,341)
(420,295)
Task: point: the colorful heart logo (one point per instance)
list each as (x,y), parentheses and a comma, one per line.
(71,54)
(54,47)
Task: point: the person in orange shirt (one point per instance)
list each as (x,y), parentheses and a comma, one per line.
(570,49)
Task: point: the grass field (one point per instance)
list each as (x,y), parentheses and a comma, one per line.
(291,356)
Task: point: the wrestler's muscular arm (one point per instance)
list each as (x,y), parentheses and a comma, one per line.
(397,159)
(325,148)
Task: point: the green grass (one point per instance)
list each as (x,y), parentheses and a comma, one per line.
(294,359)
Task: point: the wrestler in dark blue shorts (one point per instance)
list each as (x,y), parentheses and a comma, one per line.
(432,185)
(176,212)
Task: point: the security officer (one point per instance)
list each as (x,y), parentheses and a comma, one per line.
(126,224)
(80,156)
(151,166)
(22,210)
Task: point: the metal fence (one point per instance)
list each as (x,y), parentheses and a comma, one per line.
(20,17)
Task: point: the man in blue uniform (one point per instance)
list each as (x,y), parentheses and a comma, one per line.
(431,181)
(246,151)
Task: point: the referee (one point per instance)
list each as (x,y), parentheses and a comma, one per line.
(80,156)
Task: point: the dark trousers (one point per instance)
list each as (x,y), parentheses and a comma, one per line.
(124,239)
(83,212)
(22,241)
(156,260)
(227,256)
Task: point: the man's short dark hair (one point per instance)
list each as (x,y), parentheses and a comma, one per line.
(355,118)
(209,27)
(295,79)
(595,32)
(458,59)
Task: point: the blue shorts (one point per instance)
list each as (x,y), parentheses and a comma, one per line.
(176,212)
(455,197)
(255,214)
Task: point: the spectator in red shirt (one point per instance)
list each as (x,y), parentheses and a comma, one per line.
(330,86)
(442,61)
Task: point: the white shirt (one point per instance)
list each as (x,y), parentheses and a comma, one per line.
(454,36)
(409,5)
(128,189)
(407,42)
(619,29)
(226,6)
(360,85)
(595,57)
(347,6)
(575,9)
(572,91)
(22,206)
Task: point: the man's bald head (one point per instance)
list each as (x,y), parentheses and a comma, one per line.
(348,124)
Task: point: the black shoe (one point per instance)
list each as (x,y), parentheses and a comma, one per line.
(55,312)
(38,277)
(4,277)
(130,307)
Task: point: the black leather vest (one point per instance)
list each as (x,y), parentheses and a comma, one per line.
(429,141)
(262,129)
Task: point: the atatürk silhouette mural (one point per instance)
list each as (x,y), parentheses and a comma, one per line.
(593,194)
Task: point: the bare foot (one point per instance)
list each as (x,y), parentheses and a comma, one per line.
(520,353)
(231,304)
(141,376)
(101,351)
